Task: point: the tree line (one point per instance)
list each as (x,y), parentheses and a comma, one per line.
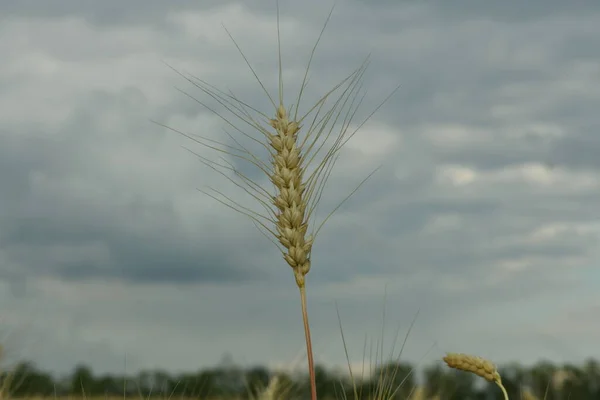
(544,380)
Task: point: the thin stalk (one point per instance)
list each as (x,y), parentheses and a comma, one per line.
(501,386)
(309,352)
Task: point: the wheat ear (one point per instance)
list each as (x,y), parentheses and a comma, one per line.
(290,206)
(478,366)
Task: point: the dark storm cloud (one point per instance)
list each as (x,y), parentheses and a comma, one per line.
(433,71)
(115,254)
(583,150)
(96,200)
(482,241)
(53,226)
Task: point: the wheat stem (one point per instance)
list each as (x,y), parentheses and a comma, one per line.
(311,363)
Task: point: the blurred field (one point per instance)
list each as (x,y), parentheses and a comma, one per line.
(120,398)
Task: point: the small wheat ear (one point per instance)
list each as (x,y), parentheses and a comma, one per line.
(478,366)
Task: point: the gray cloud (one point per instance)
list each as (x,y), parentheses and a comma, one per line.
(487,190)
(516,12)
(107,13)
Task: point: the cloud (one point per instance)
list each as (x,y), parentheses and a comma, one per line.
(481,214)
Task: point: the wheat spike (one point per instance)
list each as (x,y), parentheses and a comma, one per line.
(476,365)
(298,167)
(290,199)
(290,207)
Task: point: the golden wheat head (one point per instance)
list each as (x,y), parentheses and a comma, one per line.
(291,199)
(476,365)
(299,163)
(296,191)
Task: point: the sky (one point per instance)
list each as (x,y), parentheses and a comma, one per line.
(480,225)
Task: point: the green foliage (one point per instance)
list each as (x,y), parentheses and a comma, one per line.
(576,383)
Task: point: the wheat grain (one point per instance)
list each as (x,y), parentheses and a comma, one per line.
(476,365)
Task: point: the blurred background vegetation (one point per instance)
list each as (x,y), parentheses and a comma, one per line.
(543,380)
